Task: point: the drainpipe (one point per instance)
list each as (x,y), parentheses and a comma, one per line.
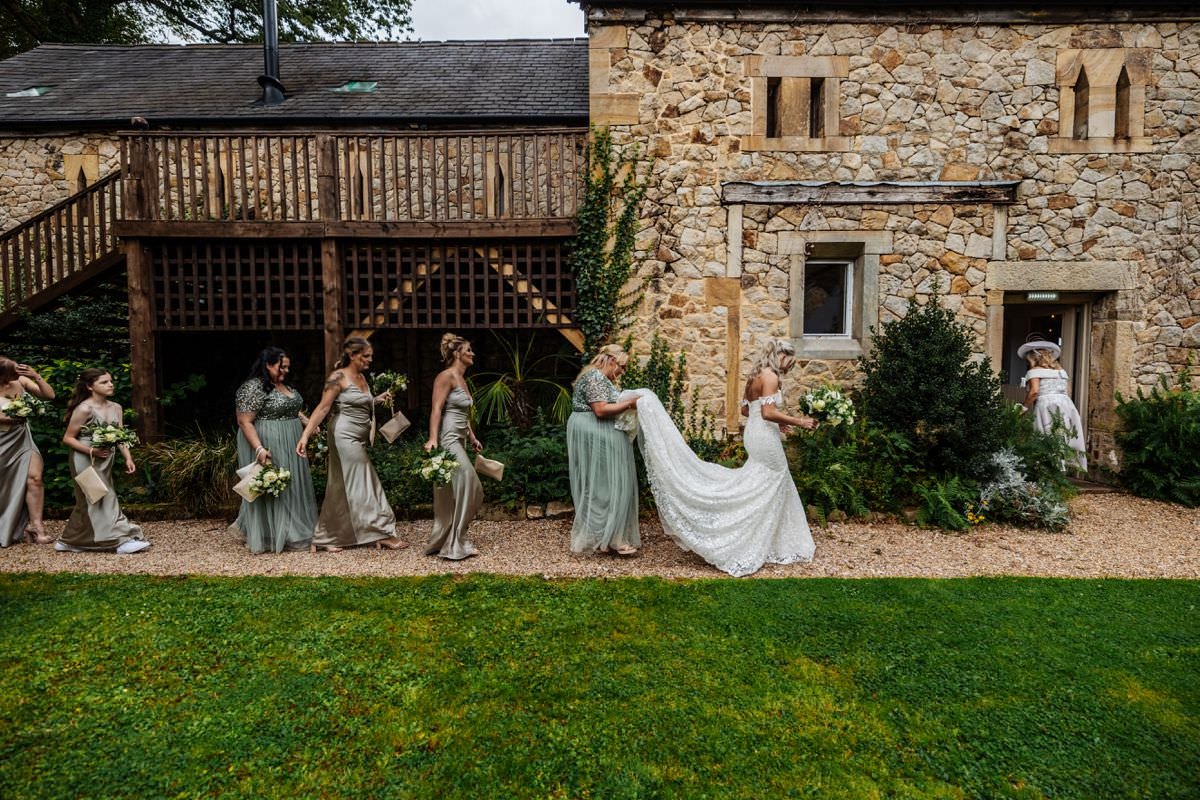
(273,92)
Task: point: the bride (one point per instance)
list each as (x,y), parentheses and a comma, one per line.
(735,519)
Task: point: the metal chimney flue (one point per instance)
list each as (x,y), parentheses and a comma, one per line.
(273,92)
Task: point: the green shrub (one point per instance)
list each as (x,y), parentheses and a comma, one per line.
(1160,441)
(944,502)
(921,382)
(1041,454)
(195,474)
(408,494)
(1012,497)
(535,464)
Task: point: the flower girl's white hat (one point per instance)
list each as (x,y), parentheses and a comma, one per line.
(1038,344)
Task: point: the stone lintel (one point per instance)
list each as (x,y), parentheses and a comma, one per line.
(1061,276)
(614,109)
(796,144)
(1060,145)
(851,193)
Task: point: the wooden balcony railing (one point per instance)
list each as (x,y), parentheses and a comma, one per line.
(470,176)
(61,247)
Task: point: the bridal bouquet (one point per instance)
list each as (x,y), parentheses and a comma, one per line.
(829,406)
(270,480)
(109,435)
(394,382)
(437,466)
(23,407)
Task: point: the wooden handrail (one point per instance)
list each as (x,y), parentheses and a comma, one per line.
(60,245)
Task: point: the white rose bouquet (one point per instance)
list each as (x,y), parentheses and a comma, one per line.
(109,435)
(23,407)
(271,480)
(394,382)
(437,466)
(829,406)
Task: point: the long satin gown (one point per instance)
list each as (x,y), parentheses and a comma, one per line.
(356,509)
(457,503)
(100,525)
(275,524)
(16,451)
(604,484)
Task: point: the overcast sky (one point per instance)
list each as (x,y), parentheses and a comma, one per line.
(495,19)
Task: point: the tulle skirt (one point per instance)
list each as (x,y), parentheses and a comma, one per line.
(603,485)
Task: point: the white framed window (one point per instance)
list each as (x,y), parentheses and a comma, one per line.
(828,297)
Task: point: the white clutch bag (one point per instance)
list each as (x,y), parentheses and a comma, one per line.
(247,474)
(395,426)
(486,466)
(92,485)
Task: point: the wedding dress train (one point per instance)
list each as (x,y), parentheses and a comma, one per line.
(735,519)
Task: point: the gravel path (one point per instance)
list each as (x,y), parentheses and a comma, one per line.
(1113,535)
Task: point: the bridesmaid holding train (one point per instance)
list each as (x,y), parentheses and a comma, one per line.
(356,509)
(456,504)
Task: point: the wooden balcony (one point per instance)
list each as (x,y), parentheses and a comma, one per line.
(469,184)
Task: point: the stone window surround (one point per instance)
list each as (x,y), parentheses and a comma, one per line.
(75,163)
(1103,68)
(831,68)
(864,248)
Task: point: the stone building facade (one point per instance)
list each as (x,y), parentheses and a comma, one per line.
(39,170)
(811,173)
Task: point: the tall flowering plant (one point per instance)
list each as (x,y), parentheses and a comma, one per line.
(829,406)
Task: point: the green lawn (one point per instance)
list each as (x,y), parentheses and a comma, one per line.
(505,687)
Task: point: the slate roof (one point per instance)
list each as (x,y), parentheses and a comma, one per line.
(458,82)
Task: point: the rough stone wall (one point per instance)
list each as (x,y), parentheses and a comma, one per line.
(33,171)
(919,103)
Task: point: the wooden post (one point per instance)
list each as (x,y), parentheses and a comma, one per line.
(142,342)
(331,262)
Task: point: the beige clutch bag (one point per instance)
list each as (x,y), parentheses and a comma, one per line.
(395,426)
(92,485)
(486,466)
(246,474)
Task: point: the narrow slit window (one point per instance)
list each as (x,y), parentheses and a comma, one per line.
(1121,129)
(816,108)
(828,291)
(1079,130)
(774,92)
(498,192)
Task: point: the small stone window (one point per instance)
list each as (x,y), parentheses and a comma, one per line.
(828,291)
(1102,101)
(795,103)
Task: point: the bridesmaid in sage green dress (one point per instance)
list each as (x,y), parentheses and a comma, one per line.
(21,490)
(603,475)
(356,509)
(269,426)
(456,504)
(100,525)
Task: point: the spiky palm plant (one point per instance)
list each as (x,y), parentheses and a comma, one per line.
(514,395)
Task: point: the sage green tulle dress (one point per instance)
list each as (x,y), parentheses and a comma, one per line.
(603,475)
(356,509)
(274,524)
(457,503)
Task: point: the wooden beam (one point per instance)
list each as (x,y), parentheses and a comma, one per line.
(258,229)
(884,193)
(142,342)
(333,298)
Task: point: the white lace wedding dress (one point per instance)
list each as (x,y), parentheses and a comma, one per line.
(735,519)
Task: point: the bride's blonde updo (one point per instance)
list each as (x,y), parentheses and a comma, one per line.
(607,353)
(771,356)
(450,346)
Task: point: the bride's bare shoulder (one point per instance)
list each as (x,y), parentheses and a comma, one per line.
(760,384)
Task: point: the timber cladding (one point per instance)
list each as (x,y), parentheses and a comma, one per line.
(232,285)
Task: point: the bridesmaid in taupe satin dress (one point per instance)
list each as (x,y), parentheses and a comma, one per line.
(454,505)
(356,510)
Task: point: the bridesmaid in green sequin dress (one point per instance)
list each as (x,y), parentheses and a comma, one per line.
(356,509)
(269,426)
(600,457)
(456,504)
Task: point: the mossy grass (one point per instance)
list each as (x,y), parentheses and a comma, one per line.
(483,686)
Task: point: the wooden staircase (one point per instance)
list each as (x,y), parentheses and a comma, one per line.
(64,246)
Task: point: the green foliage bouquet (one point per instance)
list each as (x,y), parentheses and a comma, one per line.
(108,435)
(829,406)
(437,466)
(387,381)
(271,480)
(24,407)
